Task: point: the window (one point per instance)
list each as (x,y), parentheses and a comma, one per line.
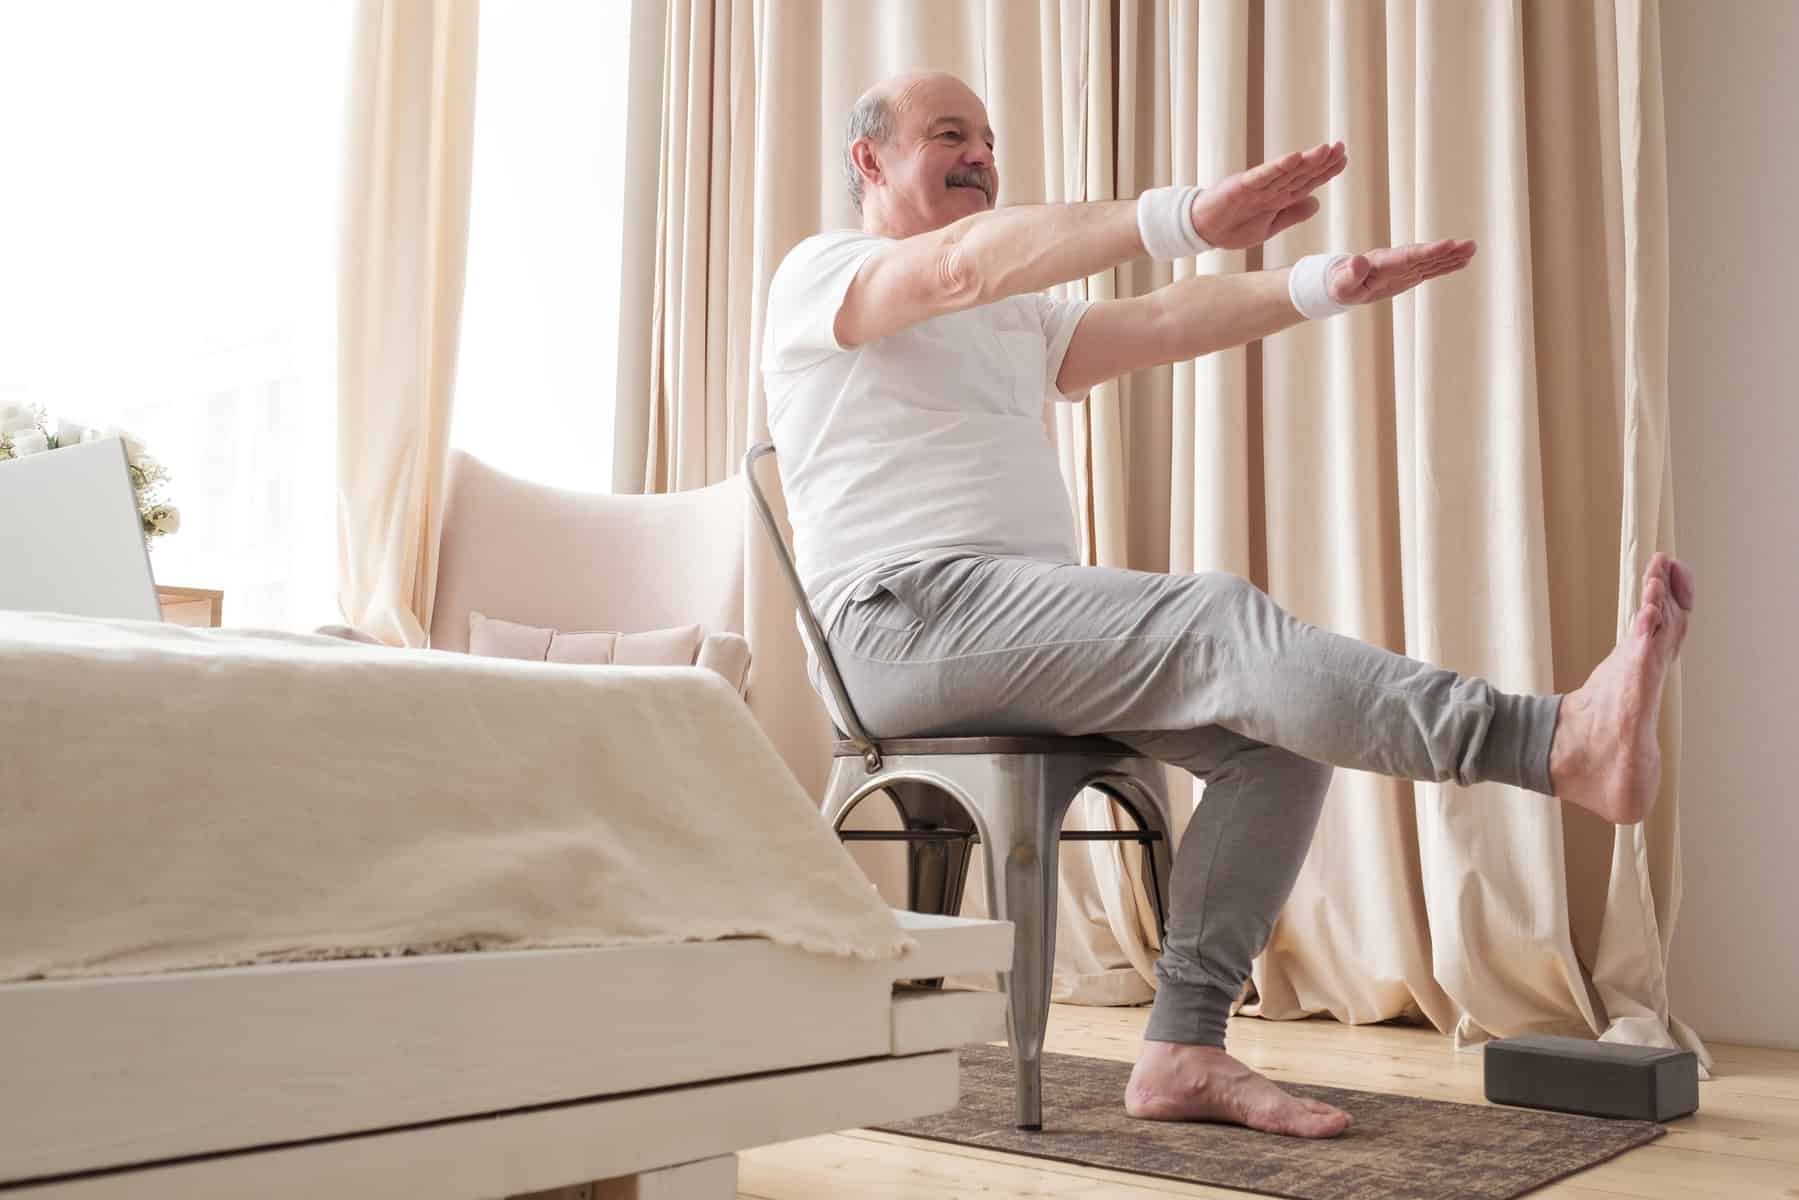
(168,265)
(536,371)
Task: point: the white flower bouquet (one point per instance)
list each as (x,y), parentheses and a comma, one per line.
(26,430)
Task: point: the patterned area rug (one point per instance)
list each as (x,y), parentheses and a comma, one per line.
(1399,1148)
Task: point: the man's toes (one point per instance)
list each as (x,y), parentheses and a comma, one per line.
(1680,578)
(1320,1124)
(1670,628)
(1328,1111)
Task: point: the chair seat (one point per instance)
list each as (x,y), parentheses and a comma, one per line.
(1101,747)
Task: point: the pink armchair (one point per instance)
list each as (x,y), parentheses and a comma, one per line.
(543,556)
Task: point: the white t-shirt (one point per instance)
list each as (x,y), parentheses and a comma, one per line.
(928,440)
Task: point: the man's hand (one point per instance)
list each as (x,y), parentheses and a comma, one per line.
(1252,206)
(1383,274)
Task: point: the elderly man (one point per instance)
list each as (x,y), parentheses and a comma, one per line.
(907,364)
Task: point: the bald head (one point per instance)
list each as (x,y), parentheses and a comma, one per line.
(919,150)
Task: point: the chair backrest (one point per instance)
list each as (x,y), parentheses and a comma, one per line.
(809,626)
(544,556)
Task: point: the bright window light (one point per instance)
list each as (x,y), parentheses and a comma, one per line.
(168,264)
(536,369)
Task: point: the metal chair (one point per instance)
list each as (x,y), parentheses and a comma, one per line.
(1006,794)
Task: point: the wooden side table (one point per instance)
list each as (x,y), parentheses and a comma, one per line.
(199,607)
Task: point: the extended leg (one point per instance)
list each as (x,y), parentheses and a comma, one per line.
(1006,646)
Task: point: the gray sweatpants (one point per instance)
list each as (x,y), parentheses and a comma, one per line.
(1201,671)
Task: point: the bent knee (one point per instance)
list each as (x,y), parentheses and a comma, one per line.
(1298,774)
(1211,590)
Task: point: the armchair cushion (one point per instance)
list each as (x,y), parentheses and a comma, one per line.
(490,638)
(675,647)
(727,654)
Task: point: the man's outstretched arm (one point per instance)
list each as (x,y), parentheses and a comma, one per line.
(1027,248)
(1212,312)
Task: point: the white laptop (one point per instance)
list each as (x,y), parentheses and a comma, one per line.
(70,540)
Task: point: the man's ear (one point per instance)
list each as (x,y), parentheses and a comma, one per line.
(862,153)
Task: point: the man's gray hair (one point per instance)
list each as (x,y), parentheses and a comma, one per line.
(871,118)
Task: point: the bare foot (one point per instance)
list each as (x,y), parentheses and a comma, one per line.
(1605,756)
(1175,1082)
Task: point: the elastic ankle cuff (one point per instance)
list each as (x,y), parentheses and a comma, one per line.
(1190,1013)
(1519,737)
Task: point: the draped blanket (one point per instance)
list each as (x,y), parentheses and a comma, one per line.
(174,798)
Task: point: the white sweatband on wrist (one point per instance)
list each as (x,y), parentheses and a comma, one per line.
(1165,219)
(1306,285)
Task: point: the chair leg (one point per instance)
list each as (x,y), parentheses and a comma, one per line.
(1161,856)
(1021,885)
(846,778)
(937,858)
(1150,800)
(1020,801)
(936,866)
(1161,851)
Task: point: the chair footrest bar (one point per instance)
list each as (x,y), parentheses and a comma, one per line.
(1107,835)
(1141,837)
(908,835)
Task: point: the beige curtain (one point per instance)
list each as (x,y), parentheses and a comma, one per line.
(691,407)
(1474,475)
(405,238)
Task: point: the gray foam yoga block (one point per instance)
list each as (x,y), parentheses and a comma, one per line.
(1596,1079)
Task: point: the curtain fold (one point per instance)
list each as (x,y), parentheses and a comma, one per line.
(1471,507)
(700,311)
(1450,476)
(702,408)
(1474,475)
(405,243)
(1630,968)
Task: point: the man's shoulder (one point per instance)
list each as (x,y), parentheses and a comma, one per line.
(826,245)
(803,295)
(835,237)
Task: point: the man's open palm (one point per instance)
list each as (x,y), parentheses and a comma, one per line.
(1252,206)
(1383,274)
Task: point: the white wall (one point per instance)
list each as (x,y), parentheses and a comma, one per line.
(1733,188)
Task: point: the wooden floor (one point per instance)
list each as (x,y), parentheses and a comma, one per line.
(1742,1144)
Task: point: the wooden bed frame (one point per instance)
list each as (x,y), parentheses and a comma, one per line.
(633,1071)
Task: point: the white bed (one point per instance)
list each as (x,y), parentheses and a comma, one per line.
(223,947)
(476,1075)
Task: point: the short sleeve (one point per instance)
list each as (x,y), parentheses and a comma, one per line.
(1059,317)
(806,294)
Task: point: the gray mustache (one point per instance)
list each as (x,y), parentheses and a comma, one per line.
(980,179)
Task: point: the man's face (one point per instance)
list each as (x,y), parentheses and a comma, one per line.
(939,167)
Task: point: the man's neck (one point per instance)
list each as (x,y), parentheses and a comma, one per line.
(884,223)
(873,224)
